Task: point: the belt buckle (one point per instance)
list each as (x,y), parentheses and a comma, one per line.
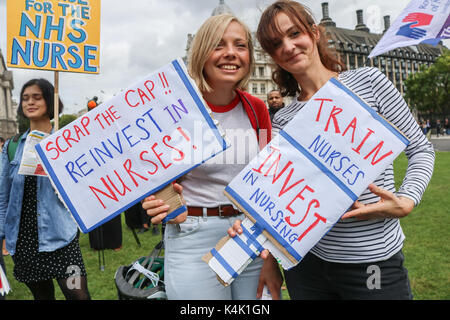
(219,208)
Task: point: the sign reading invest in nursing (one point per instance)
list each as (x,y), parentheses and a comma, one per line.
(57,35)
(300,184)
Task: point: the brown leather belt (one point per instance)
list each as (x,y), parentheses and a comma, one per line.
(221,211)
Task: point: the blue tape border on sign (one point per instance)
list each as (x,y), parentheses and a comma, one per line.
(319,165)
(199,103)
(224,263)
(374,114)
(263,223)
(244,247)
(175,213)
(70,205)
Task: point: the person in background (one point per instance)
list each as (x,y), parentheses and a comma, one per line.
(447,126)
(2,142)
(220,62)
(275,102)
(369,234)
(40,233)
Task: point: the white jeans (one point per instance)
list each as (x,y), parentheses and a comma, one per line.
(187,276)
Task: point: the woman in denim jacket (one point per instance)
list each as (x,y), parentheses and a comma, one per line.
(40,233)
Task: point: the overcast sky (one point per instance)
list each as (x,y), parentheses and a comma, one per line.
(138,36)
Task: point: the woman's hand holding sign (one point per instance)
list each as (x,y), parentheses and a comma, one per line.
(158,210)
(270,275)
(389,206)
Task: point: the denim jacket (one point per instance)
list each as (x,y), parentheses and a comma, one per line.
(56,227)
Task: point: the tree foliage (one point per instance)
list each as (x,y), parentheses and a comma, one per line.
(428,90)
(65,119)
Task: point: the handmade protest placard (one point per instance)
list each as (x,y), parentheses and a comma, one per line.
(301,183)
(30,164)
(131,146)
(56,35)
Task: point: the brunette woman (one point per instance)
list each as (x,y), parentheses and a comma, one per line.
(369,237)
(40,233)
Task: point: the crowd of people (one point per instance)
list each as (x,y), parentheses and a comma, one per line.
(440,128)
(43,239)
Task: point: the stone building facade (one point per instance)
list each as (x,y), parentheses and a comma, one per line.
(8,108)
(353,47)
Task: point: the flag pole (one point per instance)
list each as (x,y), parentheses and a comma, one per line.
(56,102)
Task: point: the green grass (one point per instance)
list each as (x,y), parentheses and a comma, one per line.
(426,247)
(427,231)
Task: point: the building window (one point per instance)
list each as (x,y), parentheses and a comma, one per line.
(261,71)
(255,88)
(263,88)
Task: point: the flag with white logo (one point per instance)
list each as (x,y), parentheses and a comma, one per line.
(422,21)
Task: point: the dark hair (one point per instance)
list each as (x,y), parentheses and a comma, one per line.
(48,93)
(301,16)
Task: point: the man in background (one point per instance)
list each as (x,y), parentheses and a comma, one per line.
(275,102)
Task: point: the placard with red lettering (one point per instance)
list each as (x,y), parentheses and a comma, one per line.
(131,146)
(301,183)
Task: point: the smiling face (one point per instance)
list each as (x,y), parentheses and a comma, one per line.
(230,60)
(33,103)
(294,50)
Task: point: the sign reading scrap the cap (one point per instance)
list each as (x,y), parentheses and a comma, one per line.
(131,146)
(56,35)
(300,185)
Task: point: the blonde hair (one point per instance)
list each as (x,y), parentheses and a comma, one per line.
(206,40)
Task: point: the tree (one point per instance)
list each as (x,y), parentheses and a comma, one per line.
(428,90)
(65,119)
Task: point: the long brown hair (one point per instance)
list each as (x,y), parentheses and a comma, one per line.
(300,16)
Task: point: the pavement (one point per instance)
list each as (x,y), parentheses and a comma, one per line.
(441,143)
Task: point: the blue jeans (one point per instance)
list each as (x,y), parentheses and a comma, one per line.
(187,276)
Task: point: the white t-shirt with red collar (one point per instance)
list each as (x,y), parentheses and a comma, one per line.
(204,186)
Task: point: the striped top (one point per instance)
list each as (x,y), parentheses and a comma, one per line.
(363,241)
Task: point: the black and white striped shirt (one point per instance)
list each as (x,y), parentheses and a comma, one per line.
(361,241)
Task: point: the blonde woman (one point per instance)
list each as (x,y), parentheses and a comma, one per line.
(220,61)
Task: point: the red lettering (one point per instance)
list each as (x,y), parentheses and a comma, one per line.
(111,194)
(142,95)
(125,188)
(333,115)
(363,141)
(317,205)
(299,196)
(128,102)
(127,167)
(283,188)
(376,150)
(47,147)
(57,145)
(141,156)
(267,159)
(85,122)
(158,155)
(78,131)
(179,151)
(113,113)
(320,108)
(319,218)
(351,125)
(67,136)
(150,90)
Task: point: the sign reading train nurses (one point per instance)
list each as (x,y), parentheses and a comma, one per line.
(301,183)
(57,35)
(131,146)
